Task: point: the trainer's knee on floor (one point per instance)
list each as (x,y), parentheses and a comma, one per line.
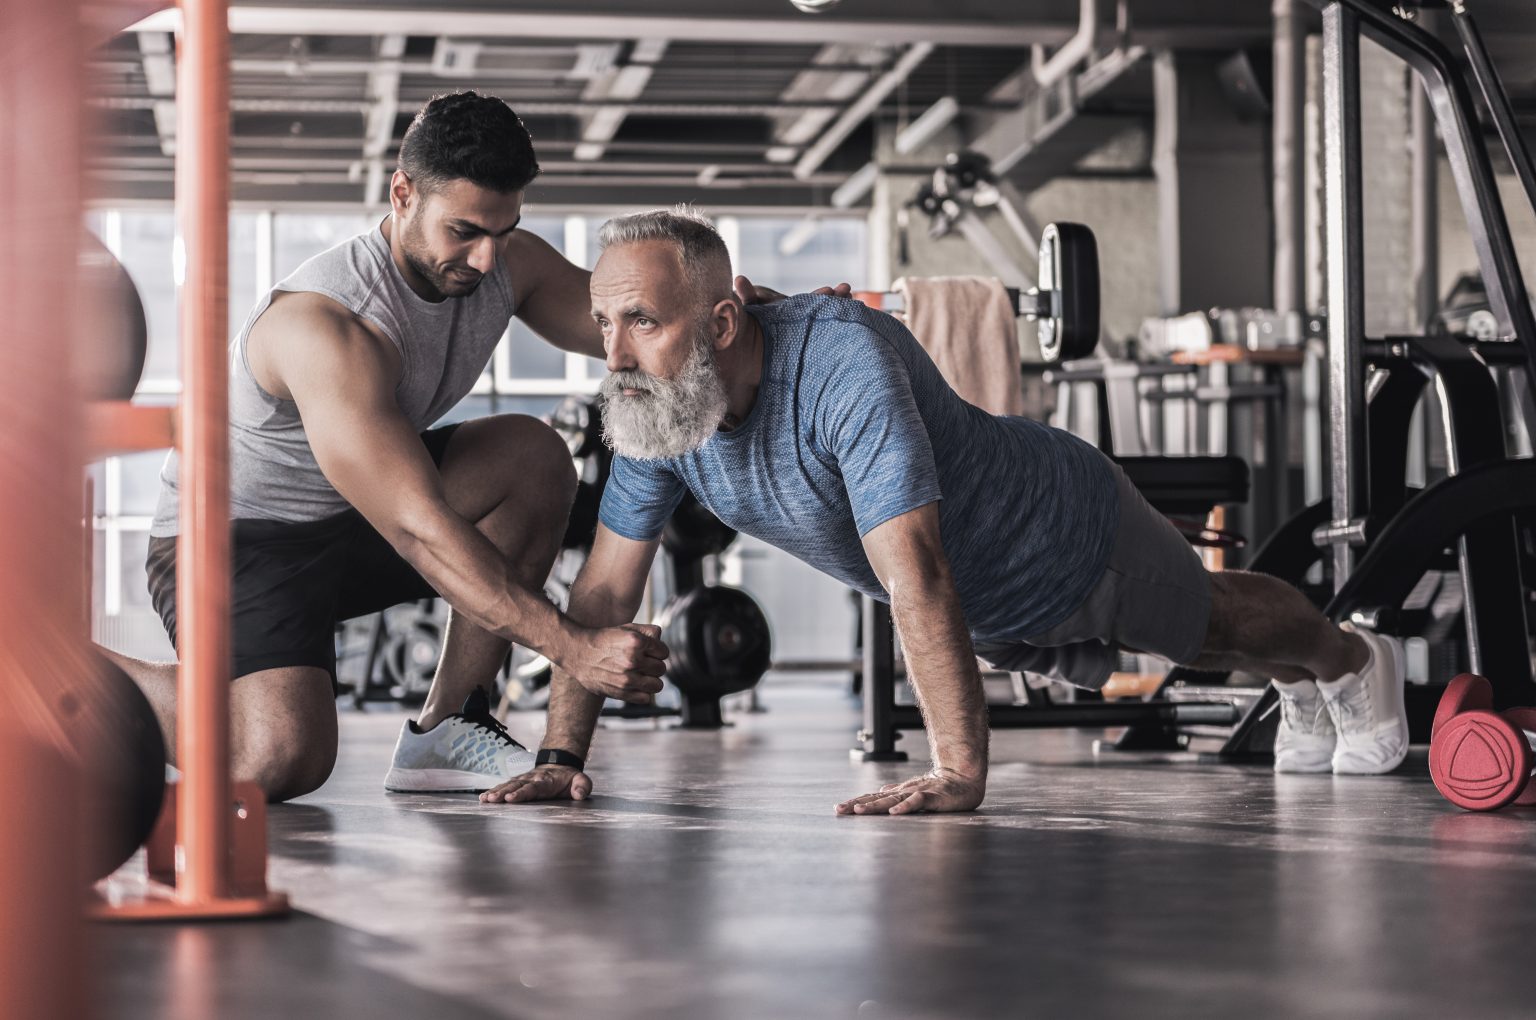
(282,766)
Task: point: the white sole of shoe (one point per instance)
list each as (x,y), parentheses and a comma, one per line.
(436,781)
(1348,768)
(1304,765)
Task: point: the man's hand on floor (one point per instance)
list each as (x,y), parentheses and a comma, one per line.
(547,782)
(751,294)
(939,790)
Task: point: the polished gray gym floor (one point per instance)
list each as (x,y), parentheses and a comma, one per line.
(710,879)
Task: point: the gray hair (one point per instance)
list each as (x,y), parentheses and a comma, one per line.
(705,258)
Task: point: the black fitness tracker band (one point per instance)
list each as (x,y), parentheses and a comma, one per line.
(555,756)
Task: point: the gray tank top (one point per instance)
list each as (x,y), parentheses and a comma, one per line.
(444,347)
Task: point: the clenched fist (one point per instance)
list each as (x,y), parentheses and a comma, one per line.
(619,662)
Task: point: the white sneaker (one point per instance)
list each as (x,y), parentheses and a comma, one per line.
(1368,711)
(1306,737)
(467,752)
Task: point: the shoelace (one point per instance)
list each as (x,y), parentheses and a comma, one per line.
(493,726)
(1291,712)
(1354,703)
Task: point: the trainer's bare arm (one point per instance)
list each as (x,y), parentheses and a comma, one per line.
(907,554)
(552,296)
(607,592)
(342,375)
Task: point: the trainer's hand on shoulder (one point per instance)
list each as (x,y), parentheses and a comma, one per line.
(547,782)
(750,293)
(619,662)
(939,790)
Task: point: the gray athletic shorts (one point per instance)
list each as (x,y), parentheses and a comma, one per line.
(1155,597)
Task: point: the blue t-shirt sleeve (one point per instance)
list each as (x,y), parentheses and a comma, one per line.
(639,497)
(873,428)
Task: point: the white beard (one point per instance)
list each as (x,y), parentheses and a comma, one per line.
(667,417)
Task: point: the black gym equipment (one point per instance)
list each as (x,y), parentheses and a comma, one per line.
(719,643)
(112,332)
(1065,301)
(718,636)
(581,528)
(1381,538)
(1376,538)
(1174,486)
(1177,486)
(116,740)
(578,422)
(692,532)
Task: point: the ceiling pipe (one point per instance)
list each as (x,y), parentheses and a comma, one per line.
(555,24)
(1076,49)
(859,110)
(929,123)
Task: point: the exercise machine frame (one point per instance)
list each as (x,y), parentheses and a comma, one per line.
(1372,517)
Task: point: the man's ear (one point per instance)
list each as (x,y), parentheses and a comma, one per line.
(403,193)
(725,321)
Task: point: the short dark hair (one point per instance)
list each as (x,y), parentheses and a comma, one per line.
(467,136)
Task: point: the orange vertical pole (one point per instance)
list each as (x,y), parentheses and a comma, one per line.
(43,954)
(202,553)
(220,865)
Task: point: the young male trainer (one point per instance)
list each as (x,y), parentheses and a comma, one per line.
(346,501)
(822,427)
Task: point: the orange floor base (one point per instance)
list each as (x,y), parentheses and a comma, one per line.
(134,898)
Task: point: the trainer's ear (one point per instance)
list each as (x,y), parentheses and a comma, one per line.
(404,196)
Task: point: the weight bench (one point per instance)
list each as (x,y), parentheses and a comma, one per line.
(1188,486)
(1176,486)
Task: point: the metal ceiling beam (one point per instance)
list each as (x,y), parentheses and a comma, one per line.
(1013,136)
(431,21)
(339,163)
(160,78)
(342,145)
(1005,32)
(821,81)
(379,132)
(687,183)
(859,110)
(625,82)
(547,198)
(537,106)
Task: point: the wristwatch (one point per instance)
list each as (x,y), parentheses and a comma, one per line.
(555,756)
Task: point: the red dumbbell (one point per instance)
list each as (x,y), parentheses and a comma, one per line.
(1481,760)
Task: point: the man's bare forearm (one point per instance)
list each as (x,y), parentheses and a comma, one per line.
(573,713)
(476,579)
(573,710)
(942,666)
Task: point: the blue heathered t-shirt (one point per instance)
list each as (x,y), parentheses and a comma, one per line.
(854,425)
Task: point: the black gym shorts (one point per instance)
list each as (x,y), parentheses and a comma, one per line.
(293,582)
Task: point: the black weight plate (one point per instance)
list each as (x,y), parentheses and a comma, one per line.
(692,531)
(112,332)
(1069,280)
(719,640)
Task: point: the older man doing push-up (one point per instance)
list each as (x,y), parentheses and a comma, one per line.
(821,426)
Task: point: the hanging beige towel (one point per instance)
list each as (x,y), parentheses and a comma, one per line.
(970,329)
